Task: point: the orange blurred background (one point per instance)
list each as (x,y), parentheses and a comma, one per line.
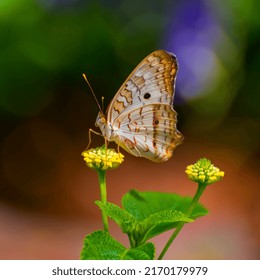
(47,193)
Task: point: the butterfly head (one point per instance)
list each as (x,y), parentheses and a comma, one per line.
(101,120)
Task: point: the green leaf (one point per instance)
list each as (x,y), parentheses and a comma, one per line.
(143,204)
(143,252)
(124,219)
(160,222)
(100,245)
(142,230)
(147,214)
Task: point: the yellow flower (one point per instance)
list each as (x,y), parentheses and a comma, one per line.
(203,171)
(102,158)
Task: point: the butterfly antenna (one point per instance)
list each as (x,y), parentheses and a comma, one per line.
(92,91)
(102,100)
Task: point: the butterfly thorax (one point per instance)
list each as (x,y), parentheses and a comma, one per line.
(107,130)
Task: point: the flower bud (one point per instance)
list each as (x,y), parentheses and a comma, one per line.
(203,171)
(102,158)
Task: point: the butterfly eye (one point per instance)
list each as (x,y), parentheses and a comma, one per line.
(147,95)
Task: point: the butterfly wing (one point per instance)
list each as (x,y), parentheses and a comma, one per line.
(151,82)
(140,118)
(149,131)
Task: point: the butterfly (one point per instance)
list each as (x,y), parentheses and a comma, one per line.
(140,118)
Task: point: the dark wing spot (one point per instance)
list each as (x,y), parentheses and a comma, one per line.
(156,122)
(147,95)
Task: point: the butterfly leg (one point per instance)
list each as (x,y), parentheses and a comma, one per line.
(118,151)
(89,136)
(106,144)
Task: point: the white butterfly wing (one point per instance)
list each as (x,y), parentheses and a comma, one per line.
(152,81)
(140,118)
(149,132)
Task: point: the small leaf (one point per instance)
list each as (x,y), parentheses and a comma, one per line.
(100,245)
(160,222)
(143,252)
(125,220)
(143,204)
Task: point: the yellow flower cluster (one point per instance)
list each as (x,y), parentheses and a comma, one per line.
(203,171)
(102,158)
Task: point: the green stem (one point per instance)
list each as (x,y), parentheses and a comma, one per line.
(132,241)
(200,190)
(103,195)
(195,200)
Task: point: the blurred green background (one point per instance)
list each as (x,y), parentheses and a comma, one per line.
(46,192)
